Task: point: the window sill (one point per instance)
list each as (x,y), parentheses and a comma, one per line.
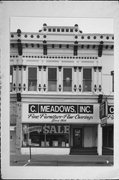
(57,93)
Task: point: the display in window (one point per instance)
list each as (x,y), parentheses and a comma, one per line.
(45,135)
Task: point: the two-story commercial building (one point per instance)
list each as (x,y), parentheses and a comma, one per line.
(59,77)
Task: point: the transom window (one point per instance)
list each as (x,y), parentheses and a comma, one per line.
(87,79)
(67,79)
(32,78)
(52,79)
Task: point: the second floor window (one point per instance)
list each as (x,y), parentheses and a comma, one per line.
(67,79)
(32,78)
(44,49)
(52,79)
(87,79)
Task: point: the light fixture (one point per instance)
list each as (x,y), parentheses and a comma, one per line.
(67,80)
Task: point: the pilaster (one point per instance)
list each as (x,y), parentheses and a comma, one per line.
(18,128)
(99,140)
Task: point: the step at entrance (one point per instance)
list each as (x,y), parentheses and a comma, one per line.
(107,151)
(83,151)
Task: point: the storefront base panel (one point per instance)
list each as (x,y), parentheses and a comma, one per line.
(51,151)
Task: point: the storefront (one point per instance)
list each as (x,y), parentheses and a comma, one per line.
(47,135)
(56,128)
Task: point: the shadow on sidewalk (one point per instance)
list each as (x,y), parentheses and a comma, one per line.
(61,160)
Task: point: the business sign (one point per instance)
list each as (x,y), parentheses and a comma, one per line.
(47,129)
(110,113)
(110,109)
(103,110)
(88,109)
(82,109)
(109,117)
(104,121)
(60,113)
(37,108)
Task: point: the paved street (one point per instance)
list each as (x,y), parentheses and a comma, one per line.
(61,160)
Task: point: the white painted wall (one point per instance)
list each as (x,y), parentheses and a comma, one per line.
(107,67)
(90,136)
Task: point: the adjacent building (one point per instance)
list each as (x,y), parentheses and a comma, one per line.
(60,78)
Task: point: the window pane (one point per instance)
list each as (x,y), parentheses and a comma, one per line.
(37,139)
(57,140)
(67,79)
(32,79)
(33,135)
(87,74)
(52,79)
(87,79)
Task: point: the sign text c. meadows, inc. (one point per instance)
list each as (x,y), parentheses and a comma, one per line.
(60,113)
(82,109)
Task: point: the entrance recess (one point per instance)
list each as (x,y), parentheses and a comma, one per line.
(77,137)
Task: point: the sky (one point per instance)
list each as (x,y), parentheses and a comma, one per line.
(87,25)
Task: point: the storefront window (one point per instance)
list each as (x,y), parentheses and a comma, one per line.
(52,79)
(36,135)
(32,79)
(87,79)
(67,79)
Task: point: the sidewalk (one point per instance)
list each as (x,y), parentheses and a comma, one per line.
(61,160)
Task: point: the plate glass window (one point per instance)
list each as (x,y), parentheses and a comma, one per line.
(52,79)
(67,79)
(87,79)
(43,135)
(32,79)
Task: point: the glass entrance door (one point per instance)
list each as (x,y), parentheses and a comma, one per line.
(77,137)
